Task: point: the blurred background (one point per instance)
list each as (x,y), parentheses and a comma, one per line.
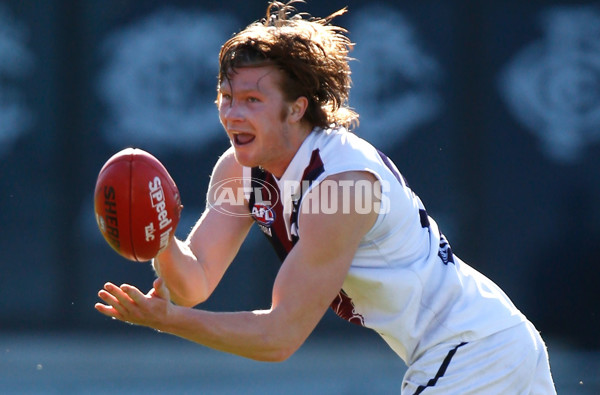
(490,109)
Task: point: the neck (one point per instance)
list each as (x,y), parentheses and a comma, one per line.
(294,142)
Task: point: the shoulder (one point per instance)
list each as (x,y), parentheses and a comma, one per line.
(226,167)
(342,146)
(352,175)
(226,187)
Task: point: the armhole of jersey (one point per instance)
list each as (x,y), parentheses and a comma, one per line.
(384,209)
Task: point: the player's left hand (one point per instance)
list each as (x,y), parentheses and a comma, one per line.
(127,303)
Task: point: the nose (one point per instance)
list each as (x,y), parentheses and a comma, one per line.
(231,111)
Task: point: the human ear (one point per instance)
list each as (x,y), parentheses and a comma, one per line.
(298,108)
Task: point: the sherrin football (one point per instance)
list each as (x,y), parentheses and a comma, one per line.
(137,204)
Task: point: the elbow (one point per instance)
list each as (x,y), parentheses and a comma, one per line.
(283,353)
(186,301)
(280,354)
(185,296)
(277,348)
(277,337)
(189,293)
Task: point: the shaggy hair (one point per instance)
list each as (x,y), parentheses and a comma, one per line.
(312,54)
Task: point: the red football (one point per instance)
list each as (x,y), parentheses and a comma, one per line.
(137,204)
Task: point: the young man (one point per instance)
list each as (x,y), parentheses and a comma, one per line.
(350,232)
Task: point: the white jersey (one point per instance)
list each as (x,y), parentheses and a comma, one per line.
(404,282)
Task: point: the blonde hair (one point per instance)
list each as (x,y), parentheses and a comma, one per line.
(312,54)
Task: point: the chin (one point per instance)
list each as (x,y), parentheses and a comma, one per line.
(244,159)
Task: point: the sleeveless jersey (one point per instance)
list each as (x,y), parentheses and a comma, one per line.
(404,281)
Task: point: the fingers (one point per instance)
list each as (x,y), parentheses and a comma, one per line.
(108,311)
(131,293)
(118,300)
(127,303)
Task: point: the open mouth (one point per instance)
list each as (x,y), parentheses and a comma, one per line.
(243,138)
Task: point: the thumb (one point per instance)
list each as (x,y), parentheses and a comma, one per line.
(160,289)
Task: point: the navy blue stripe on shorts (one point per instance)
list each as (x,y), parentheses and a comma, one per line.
(441,371)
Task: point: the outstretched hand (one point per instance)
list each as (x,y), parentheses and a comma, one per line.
(127,303)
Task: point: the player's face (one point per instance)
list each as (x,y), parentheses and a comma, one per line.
(256,118)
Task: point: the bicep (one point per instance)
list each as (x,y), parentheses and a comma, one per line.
(314,271)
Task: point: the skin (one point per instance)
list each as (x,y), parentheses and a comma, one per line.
(266,131)
(251,105)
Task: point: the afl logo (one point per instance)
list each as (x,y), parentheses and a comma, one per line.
(264,215)
(230,194)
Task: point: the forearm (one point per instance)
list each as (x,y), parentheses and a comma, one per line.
(257,335)
(183,273)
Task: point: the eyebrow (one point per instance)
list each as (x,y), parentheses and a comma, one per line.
(244,89)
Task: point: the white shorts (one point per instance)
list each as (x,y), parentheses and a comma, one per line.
(513,361)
